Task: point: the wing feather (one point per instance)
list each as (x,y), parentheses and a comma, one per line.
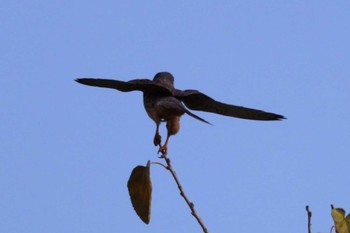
(196,100)
(132,85)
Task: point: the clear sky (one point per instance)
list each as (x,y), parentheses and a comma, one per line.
(67,150)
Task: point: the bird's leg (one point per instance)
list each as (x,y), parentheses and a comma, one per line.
(157,138)
(164,149)
(173,126)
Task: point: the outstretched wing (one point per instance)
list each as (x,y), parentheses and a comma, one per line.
(132,85)
(196,100)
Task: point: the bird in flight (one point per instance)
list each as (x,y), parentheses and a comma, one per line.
(164,103)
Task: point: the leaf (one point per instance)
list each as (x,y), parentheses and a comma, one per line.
(140,191)
(342,225)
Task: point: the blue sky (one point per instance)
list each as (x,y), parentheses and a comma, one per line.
(67,150)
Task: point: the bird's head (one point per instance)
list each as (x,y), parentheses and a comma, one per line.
(164,79)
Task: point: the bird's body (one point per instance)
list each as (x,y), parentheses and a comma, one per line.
(165,103)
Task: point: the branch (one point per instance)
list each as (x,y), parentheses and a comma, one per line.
(309,215)
(182,192)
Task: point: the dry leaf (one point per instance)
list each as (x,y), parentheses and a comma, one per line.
(140,191)
(341,223)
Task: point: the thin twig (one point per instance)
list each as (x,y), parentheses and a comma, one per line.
(309,215)
(182,192)
(158,163)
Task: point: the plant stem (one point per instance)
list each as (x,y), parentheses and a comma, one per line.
(309,215)
(190,204)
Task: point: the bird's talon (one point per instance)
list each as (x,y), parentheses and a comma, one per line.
(163,150)
(157,140)
(164,154)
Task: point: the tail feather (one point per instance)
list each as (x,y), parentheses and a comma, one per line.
(197,117)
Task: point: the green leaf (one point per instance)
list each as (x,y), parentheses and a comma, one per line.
(140,191)
(342,224)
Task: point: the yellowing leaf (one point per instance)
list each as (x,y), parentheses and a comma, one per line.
(140,191)
(342,224)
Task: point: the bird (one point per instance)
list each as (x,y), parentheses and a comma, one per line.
(164,103)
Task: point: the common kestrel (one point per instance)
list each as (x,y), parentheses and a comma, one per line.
(164,103)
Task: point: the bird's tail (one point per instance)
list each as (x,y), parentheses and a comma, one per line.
(197,117)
